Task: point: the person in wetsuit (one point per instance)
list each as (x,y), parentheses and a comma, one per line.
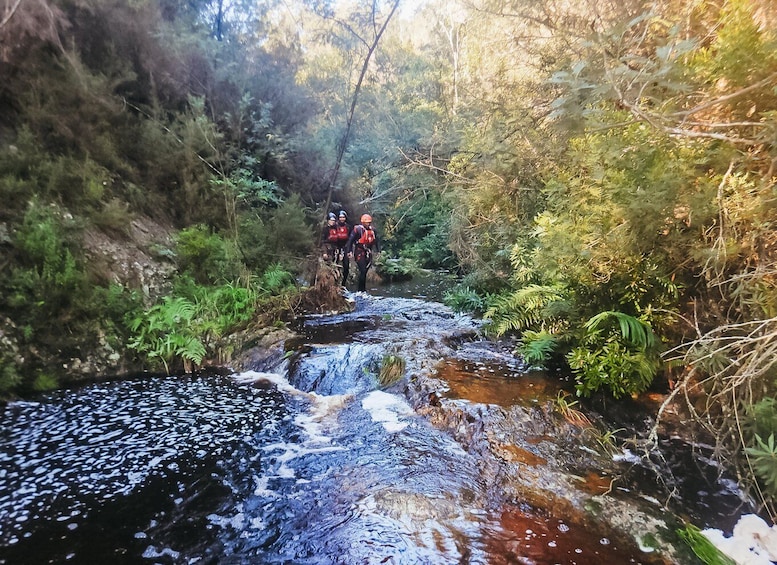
(343,233)
(329,238)
(361,245)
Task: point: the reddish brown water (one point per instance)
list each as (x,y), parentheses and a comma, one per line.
(542,534)
(494,383)
(527,537)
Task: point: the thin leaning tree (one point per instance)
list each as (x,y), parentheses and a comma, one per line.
(371,45)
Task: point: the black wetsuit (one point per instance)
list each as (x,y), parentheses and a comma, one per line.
(361,244)
(343,234)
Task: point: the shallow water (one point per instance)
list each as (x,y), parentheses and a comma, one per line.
(312,463)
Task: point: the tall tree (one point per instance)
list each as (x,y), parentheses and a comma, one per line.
(368,32)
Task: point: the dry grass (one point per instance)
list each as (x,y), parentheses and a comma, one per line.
(392,368)
(326,294)
(729,369)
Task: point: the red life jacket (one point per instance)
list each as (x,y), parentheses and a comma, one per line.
(332,237)
(342,232)
(367,238)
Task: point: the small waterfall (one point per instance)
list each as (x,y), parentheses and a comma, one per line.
(461,461)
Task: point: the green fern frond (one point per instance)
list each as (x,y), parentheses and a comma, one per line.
(527,307)
(275,279)
(633,330)
(537,347)
(192,349)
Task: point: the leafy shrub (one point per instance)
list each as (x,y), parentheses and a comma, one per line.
(114,216)
(10,377)
(395,269)
(464,299)
(46,280)
(275,279)
(44,381)
(249,190)
(204,255)
(283,237)
(187,325)
(617,352)
(485,283)
(253,242)
(288,235)
(112,306)
(431,251)
(761,419)
(233,305)
(419,229)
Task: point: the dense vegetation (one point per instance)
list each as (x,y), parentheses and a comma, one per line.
(603,176)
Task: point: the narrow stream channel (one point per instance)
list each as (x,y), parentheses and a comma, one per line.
(313,462)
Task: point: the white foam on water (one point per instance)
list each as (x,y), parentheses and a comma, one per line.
(320,416)
(277,379)
(753,541)
(387,409)
(237,521)
(261,488)
(627,456)
(322,410)
(151,552)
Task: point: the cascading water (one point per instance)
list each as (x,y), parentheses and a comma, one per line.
(311,463)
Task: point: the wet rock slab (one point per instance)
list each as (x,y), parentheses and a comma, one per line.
(537,466)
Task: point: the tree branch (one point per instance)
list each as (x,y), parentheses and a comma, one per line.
(727,97)
(10,13)
(434,167)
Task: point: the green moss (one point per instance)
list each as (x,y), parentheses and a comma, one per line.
(44,382)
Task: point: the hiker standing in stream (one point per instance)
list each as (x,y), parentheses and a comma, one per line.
(329,238)
(360,246)
(343,233)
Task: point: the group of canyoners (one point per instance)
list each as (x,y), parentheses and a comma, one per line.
(340,243)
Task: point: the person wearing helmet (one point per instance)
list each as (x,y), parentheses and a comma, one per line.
(361,244)
(329,237)
(343,233)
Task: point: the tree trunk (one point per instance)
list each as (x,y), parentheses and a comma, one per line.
(344,141)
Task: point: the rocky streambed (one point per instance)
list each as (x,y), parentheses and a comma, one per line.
(389,434)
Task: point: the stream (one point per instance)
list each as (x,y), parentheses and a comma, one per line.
(463,460)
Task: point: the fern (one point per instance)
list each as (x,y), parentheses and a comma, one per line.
(533,306)
(633,330)
(764,460)
(463,299)
(275,279)
(165,332)
(537,347)
(617,352)
(223,307)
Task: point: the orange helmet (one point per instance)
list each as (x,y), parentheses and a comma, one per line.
(365,219)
